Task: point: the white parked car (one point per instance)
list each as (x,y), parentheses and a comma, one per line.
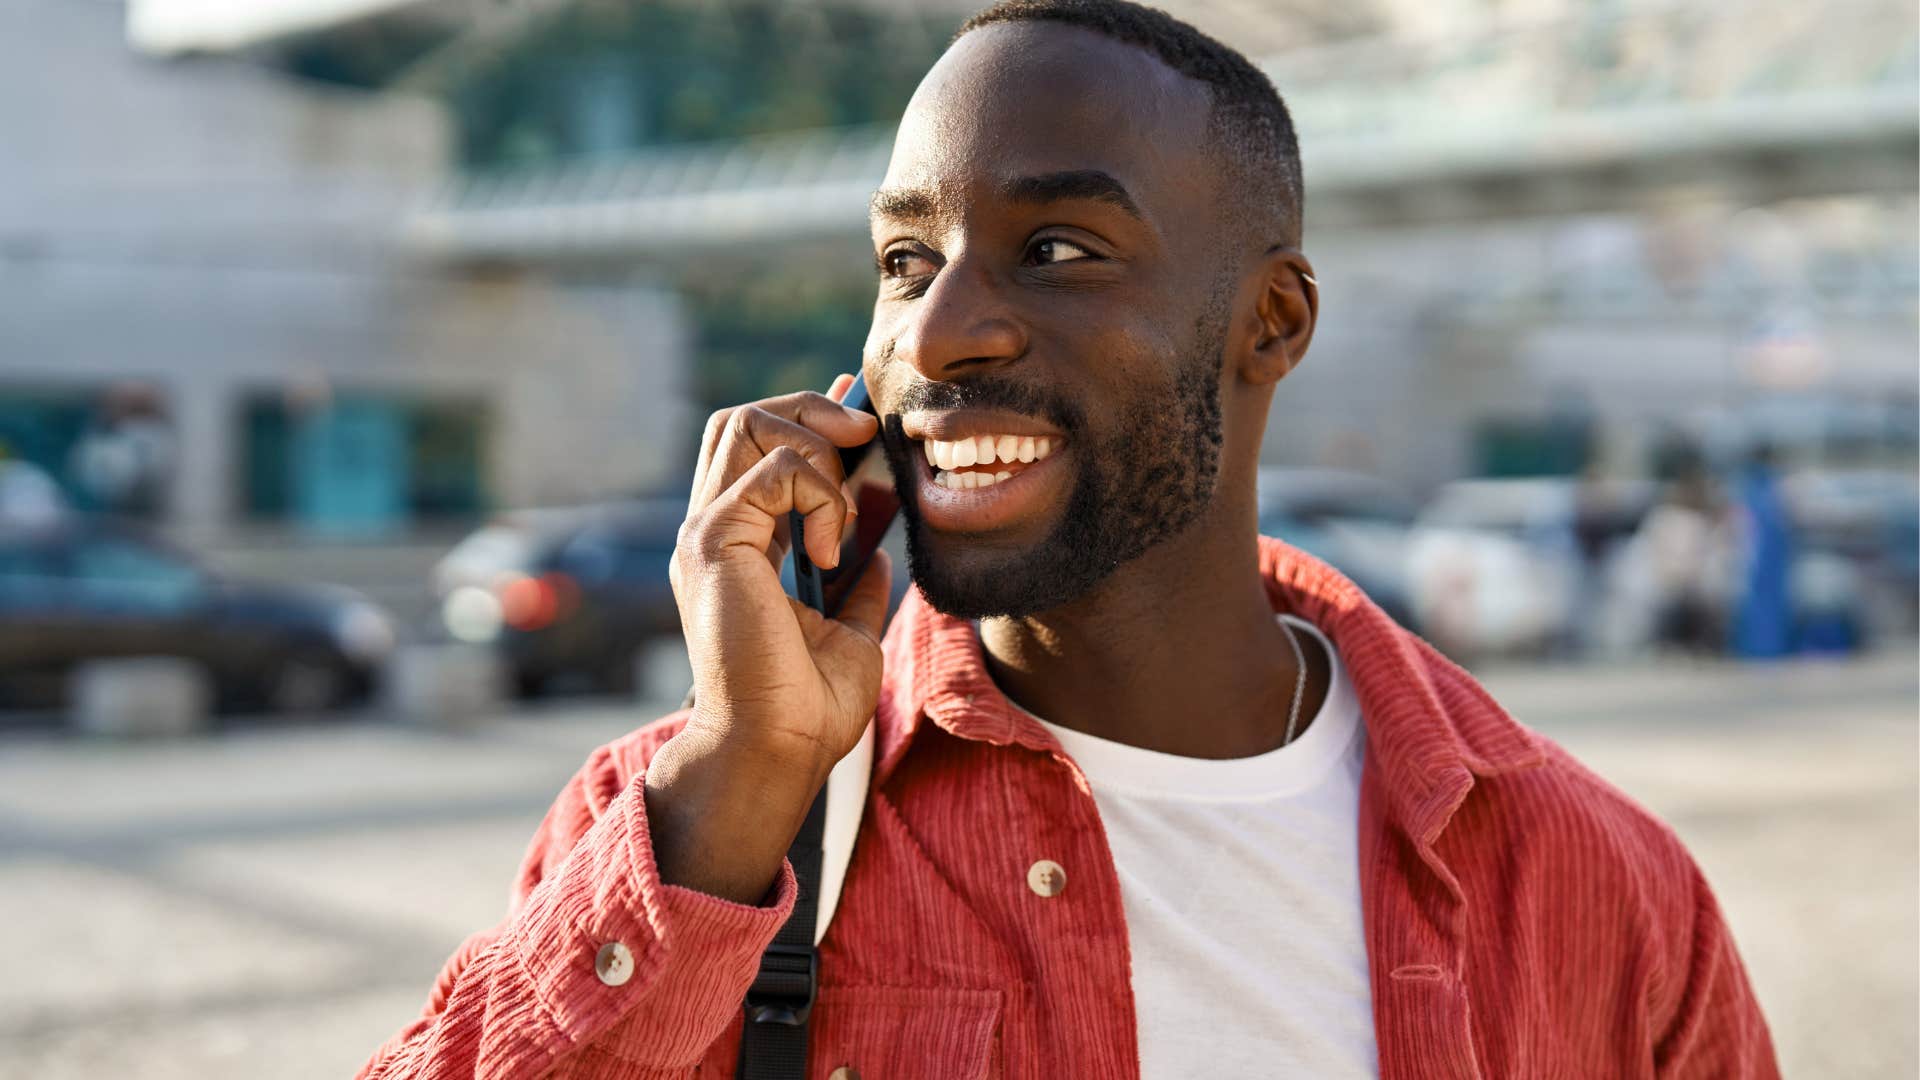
(1493,566)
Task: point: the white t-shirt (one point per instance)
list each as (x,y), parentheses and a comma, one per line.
(1241,885)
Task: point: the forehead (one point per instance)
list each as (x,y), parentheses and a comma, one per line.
(1023,99)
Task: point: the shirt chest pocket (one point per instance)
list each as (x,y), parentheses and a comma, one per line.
(895,1033)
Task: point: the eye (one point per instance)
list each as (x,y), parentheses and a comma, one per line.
(1055,250)
(904,262)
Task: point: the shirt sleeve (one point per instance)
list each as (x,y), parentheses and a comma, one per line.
(516,1000)
(1716,1029)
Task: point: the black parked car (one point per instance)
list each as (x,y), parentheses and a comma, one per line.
(566,597)
(79,590)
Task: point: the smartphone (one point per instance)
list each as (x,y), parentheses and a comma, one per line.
(871,481)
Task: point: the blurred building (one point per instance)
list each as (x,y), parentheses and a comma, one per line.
(1548,231)
(207,318)
(362,264)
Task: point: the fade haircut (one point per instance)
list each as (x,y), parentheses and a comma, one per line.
(1251,131)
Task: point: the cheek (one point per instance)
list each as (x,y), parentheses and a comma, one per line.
(1121,359)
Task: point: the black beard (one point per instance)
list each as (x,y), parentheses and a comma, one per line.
(1133,487)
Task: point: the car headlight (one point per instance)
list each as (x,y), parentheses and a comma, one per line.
(472,614)
(363,632)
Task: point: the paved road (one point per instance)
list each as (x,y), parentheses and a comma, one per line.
(275,902)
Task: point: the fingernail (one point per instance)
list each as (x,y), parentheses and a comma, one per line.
(846,493)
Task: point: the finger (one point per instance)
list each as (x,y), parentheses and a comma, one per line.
(749,513)
(840,425)
(865,609)
(841,384)
(751,434)
(709,442)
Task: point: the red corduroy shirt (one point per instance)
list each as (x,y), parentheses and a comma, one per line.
(1523,918)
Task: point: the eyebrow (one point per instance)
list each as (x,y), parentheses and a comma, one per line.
(1087,185)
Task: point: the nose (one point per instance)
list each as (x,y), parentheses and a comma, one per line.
(962,325)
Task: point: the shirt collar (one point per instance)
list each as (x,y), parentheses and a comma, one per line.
(1431,728)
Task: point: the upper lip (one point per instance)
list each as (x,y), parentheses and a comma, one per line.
(957,424)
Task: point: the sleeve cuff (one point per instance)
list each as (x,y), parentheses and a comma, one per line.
(693,954)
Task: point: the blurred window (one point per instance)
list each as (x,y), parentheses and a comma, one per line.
(362,459)
(29,575)
(589,558)
(604,556)
(645,563)
(41,427)
(122,574)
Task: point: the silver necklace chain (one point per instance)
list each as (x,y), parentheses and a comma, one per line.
(1299,681)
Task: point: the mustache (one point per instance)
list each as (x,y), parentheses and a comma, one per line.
(990,392)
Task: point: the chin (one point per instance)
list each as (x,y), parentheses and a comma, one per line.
(977,579)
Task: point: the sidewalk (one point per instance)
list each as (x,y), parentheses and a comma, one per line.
(275,903)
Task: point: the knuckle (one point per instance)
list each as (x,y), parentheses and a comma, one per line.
(697,548)
(745,419)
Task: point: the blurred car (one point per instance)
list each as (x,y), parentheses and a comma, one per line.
(566,597)
(80,590)
(1870,520)
(1495,566)
(29,497)
(1355,522)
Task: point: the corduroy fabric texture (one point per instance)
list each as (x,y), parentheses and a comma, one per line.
(1523,919)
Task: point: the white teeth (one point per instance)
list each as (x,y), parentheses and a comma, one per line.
(982,479)
(985,450)
(999,476)
(969,480)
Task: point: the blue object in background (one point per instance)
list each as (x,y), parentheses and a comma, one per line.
(350,465)
(1763,625)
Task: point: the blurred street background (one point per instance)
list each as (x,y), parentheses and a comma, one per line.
(353,355)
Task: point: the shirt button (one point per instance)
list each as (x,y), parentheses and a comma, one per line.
(614,964)
(845,1072)
(1046,878)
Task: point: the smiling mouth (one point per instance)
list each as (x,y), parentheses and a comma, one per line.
(984,460)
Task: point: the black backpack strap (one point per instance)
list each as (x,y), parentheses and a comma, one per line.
(773,1041)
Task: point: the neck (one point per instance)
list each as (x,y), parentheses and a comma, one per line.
(1176,651)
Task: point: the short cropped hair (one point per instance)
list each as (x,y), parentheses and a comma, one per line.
(1252,131)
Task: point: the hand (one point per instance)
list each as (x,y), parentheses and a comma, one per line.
(781,692)
(768,669)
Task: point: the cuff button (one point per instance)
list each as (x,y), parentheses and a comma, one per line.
(614,964)
(1046,878)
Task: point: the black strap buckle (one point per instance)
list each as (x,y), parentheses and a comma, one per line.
(784,988)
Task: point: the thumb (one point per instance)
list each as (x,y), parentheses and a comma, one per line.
(865,609)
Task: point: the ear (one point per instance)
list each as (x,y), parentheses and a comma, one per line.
(1286,309)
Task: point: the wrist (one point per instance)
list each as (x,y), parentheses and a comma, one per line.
(779,758)
(722,812)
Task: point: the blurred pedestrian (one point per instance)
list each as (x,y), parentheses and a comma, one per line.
(1763,620)
(1684,541)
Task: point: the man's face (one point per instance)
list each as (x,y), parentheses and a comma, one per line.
(1052,285)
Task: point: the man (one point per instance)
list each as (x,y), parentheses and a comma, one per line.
(1123,820)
